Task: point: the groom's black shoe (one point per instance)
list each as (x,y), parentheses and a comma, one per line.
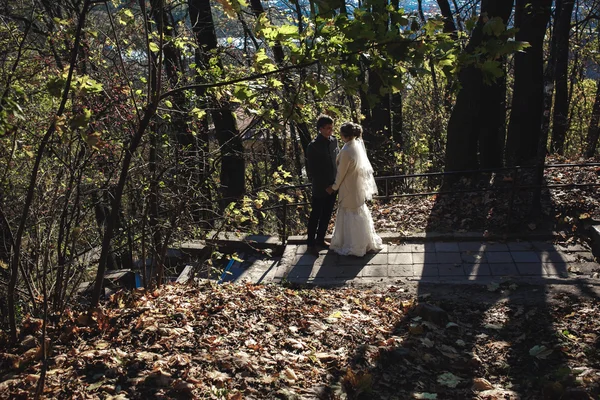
(313,250)
(325,244)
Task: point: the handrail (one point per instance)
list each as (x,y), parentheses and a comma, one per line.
(513,187)
(444,173)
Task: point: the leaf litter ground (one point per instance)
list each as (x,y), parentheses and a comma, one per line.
(244,341)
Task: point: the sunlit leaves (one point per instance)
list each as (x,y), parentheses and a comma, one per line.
(153,47)
(198,113)
(242,92)
(281,176)
(232,7)
(286,31)
(82,85)
(125,16)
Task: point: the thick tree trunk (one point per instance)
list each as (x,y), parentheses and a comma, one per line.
(232,151)
(594,129)
(377,123)
(492,124)
(449,25)
(560,123)
(477,120)
(531,17)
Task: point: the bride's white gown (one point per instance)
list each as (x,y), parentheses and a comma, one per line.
(354,232)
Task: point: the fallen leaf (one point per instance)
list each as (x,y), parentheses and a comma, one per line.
(448,379)
(480,384)
(541,352)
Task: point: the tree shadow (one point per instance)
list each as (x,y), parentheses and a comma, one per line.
(483,325)
(488,317)
(328,269)
(488,331)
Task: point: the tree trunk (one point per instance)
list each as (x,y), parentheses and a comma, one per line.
(560,123)
(492,123)
(594,129)
(232,159)
(549,76)
(449,25)
(524,130)
(477,120)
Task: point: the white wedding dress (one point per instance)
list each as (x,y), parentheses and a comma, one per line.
(354,232)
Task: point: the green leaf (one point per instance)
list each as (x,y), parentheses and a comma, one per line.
(492,70)
(288,30)
(198,113)
(168,103)
(242,92)
(154,47)
(494,27)
(321,89)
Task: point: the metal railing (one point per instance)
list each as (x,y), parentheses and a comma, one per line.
(513,187)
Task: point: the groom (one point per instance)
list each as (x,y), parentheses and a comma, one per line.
(321,168)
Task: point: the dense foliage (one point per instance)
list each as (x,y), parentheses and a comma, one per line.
(127,126)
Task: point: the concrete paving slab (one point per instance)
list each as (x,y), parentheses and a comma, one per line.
(400,258)
(449,258)
(425,270)
(425,258)
(520,246)
(428,262)
(525,257)
(475,270)
(495,247)
(451,270)
(400,248)
(473,257)
(503,269)
(400,270)
(427,247)
(471,246)
(500,257)
(375,271)
(376,259)
(447,247)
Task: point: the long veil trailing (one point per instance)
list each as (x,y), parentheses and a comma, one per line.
(366,185)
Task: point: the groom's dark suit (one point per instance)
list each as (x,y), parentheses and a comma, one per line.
(321,169)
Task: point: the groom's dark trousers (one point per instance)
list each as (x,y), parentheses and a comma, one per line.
(321,168)
(320,215)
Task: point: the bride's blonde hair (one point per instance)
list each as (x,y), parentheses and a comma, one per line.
(351,130)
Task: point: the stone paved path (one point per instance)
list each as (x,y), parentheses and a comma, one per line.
(440,261)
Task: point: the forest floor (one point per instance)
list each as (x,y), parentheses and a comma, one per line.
(238,341)
(407,341)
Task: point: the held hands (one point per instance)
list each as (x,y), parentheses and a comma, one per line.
(329,190)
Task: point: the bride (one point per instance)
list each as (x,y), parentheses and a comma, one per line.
(354,232)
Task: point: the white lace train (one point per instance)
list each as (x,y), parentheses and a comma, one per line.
(354,232)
